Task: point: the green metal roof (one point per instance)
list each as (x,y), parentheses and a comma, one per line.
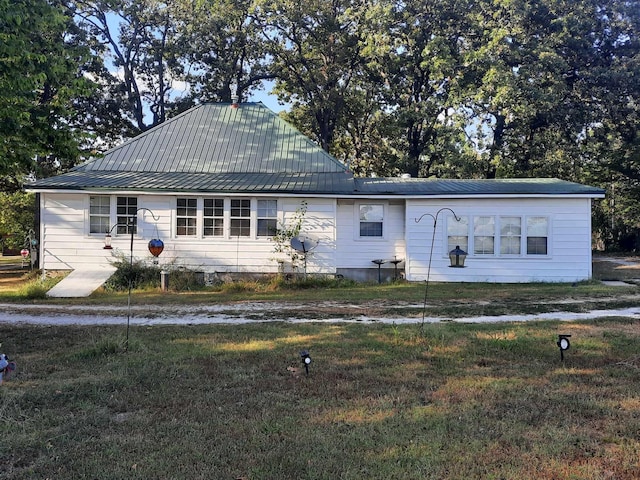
(506,186)
(215,148)
(217,138)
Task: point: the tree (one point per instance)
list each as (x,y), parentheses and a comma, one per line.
(219,48)
(315,54)
(135,37)
(40,76)
(415,57)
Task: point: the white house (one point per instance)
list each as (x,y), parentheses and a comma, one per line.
(213,182)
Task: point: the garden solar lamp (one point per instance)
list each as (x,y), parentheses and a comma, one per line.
(563,344)
(306,360)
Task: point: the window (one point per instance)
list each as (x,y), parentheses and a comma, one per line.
(510,234)
(186,216)
(126,215)
(267,221)
(99,214)
(483,236)
(240,217)
(213,217)
(537,231)
(371,218)
(457,233)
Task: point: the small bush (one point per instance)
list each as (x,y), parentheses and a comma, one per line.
(182,279)
(311,282)
(35,290)
(141,275)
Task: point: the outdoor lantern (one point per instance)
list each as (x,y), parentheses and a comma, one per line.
(563,344)
(107,242)
(457,256)
(24,252)
(306,360)
(156,246)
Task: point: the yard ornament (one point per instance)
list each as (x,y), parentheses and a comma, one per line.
(6,366)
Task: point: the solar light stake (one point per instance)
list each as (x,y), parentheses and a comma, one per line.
(563,344)
(306,360)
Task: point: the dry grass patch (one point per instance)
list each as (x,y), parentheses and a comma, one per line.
(380,402)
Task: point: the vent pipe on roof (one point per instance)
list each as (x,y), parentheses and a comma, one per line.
(234,101)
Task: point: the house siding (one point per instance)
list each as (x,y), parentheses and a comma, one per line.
(569,242)
(67,244)
(355,255)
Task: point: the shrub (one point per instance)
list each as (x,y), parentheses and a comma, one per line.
(140,273)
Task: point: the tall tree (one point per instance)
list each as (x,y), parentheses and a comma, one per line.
(315,54)
(135,39)
(220,48)
(40,77)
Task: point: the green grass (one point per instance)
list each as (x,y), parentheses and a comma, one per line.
(380,402)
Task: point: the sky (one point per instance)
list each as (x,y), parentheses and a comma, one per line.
(270,101)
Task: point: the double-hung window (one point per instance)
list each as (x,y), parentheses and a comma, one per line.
(240,218)
(510,235)
(502,236)
(537,234)
(371,219)
(213,217)
(99,214)
(267,218)
(126,215)
(186,216)
(458,233)
(483,235)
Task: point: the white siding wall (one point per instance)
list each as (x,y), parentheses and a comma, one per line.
(66,242)
(356,252)
(569,242)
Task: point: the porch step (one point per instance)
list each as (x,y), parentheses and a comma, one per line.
(81,282)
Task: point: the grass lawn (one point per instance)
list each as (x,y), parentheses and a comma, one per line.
(434,401)
(381,402)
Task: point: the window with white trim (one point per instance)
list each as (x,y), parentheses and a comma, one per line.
(537,234)
(213,217)
(457,233)
(483,236)
(267,218)
(371,217)
(186,216)
(240,218)
(126,215)
(510,235)
(99,214)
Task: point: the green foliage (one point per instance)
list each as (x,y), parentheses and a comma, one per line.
(16,218)
(40,80)
(136,274)
(298,282)
(184,279)
(288,230)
